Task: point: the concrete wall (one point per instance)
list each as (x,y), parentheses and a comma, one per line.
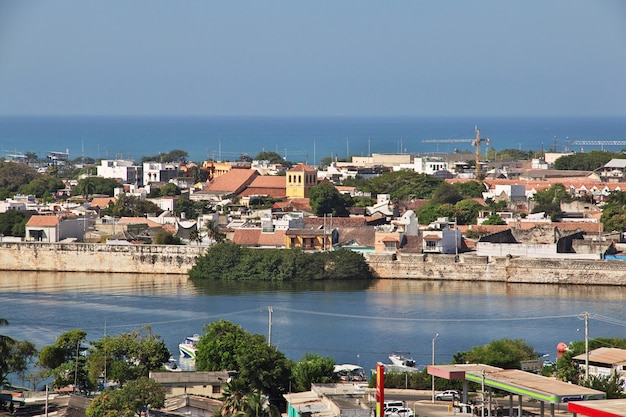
(94,257)
(164,259)
(528,251)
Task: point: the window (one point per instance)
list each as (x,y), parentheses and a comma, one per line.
(217,389)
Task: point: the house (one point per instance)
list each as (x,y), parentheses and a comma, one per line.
(229,184)
(311,239)
(330,400)
(256,237)
(53,228)
(604,361)
(441,237)
(265,186)
(612,171)
(121,170)
(208,384)
(160,172)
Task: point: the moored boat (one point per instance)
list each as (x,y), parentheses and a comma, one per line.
(402,359)
(189,346)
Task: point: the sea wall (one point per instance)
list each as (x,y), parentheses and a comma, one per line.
(95,257)
(175,259)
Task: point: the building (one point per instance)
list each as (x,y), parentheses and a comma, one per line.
(300,179)
(604,361)
(122,170)
(330,400)
(160,172)
(52,228)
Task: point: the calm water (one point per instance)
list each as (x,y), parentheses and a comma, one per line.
(299,139)
(351,322)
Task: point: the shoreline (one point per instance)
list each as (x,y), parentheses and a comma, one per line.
(177,260)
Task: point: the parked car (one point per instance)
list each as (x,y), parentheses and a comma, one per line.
(449,395)
(402,412)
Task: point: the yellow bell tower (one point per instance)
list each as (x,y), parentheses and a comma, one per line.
(300,179)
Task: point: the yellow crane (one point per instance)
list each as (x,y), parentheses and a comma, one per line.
(475,143)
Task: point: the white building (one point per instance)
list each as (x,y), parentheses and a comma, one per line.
(121,169)
(425,165)
(160,172)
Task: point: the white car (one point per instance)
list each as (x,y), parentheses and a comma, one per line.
(402,412)
(449,395)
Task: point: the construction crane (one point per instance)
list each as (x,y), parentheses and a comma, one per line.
(475,143)
(601,143)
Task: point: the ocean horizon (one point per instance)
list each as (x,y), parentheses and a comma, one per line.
(296,138)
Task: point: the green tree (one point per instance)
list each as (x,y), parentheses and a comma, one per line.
(470,189)
(494,219)
(131,206)
(273,157)
(175,155)
(403,185)
(467,211)
(614,211)
(549,200)
(127,357)
(129,400)
(325,199)
(611,384)
(585,161)
(165,238)
(14,175)
(64,360)
(95,185)
(312,369)
(446,194)
(42,186)
(169,190)
(212,231)
(503,353)
(15,355)
(261,367)
(13,223)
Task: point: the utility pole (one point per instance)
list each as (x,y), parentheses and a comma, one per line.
(269,333)
(433,364)
(586,345)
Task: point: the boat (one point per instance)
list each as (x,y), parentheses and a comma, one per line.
(402,359)
(171,365)
(189,346)
(350,373)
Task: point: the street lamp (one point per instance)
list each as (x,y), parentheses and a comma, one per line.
(433,364)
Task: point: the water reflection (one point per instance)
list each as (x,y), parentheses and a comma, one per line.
(349,321)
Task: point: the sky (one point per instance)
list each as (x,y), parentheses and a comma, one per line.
(300,58)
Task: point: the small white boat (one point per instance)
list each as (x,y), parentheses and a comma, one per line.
(189,346)
(350,373)
(402,359)
(172,366)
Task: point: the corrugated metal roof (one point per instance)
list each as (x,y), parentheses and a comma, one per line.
(609,356)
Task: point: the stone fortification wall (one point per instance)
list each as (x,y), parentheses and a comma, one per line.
(170,259)
(501,269)
(94,257)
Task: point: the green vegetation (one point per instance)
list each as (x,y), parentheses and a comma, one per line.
(614,211)
(549,201)
(15,355)
(586,161)
(95,185)
(226,261)
(402,185)
(131,206)
(13,223)
(175,155)
(129,400)
(325,199)
(503,353)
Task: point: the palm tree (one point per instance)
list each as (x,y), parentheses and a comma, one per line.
(234,398)
(213,232)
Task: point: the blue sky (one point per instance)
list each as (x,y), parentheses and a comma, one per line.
(430,57)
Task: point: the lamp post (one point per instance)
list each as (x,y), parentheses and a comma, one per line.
(433,363)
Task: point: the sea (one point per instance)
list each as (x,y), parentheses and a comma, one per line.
(297,139)
(357,322)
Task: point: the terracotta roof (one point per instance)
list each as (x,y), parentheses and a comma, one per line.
(270,185)
(139,220)
(390,239)
(337,222)
(102,202)
(363,236)
(232,182)
(301,167)
(413,244)
(255,237)
(432,237)
(43,221)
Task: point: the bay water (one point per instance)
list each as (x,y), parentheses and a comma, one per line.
(352,322)
(297,139)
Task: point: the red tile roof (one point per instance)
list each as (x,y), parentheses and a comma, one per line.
(43,221)
(102,202)
(270,185)
(232,182)
(301,167)
(255,237)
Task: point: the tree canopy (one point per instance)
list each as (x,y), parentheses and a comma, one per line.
(586,161)
(325,199)
(402,185)
(15,355)
(227,261)
(260,367)
(503,353)
(129,400)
